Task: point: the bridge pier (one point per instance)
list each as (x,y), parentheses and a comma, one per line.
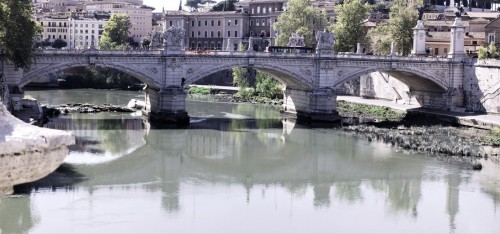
(167,105)
(316,105)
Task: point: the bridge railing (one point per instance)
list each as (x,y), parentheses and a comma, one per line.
(391,58)
(100,52)
(242,54)
(248,54)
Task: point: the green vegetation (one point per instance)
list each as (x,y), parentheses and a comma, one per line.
(349,29)
(490,52)
(17,31)
(265,85)
(376,112)
(101,78)
(302,18)
(59,43)
(195,4)
(494,136)
(227,5)
(115,35)
(199,90)
(399,28)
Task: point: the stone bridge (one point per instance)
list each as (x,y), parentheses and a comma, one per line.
(310,79)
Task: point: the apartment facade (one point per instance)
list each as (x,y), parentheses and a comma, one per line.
(140,16)
(85,32)
(229,30)
(55,27)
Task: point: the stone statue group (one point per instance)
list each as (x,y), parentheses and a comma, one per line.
(171,38)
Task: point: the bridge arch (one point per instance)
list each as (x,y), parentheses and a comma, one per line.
(419,79)
(137,73)
(288,77)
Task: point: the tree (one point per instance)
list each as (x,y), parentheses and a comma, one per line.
(349,29)
(17,31)
(145,43)
(399,27)
(195,4)
(115,35)
(227,5)
(302,18)
(59,43)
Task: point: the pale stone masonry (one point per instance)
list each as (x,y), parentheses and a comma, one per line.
(28,153)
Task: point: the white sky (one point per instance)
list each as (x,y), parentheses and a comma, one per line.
(168,4)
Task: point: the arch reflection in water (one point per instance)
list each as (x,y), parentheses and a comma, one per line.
(262,169)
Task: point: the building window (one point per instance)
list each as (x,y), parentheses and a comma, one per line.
(192,23)
(229,23)
(212,34)
(235,33)
(192,34)
(206,23)
(235,22)
(218,34)
(228,33)
(264,10)
(199,23)
(212,23)
(251,23)
(199,33)
(258,10)
(491,38)
(263,22)
(170,22)
(445,51)
(206,34)
(218,23)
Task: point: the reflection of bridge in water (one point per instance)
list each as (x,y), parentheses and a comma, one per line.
(252,154)
(230,151)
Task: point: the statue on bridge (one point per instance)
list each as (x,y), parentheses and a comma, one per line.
(296,41)
(325,41)
(173,38)
(156,39)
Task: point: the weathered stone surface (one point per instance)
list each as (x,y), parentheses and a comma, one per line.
(28,153)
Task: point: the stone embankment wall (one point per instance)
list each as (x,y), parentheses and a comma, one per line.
(481,87)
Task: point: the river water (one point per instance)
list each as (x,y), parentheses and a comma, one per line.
(241,168)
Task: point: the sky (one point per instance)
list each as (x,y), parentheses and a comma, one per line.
(168,4)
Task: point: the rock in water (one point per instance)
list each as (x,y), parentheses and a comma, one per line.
(28,153)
